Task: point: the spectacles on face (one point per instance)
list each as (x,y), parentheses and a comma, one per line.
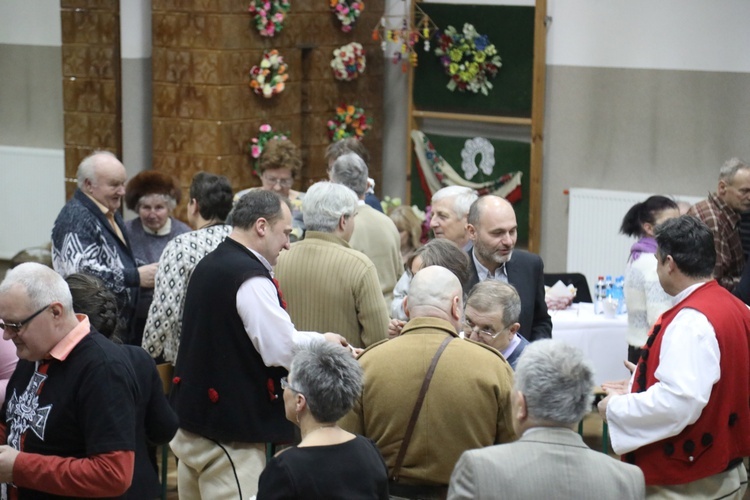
(285,183)
(285,385)
(16,327)
(470,327)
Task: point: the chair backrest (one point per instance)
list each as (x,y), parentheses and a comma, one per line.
(578,280)
(165,373)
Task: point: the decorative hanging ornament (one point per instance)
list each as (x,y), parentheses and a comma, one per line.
(269,15)
(469,59)
(347,11)
(348,61)
(267,78)
(478,146)
(350,121)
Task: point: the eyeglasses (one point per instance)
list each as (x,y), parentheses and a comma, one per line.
(16,327)
(470,327)
(285,385)
(285,183)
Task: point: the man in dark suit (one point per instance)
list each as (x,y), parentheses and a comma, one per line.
(493,229)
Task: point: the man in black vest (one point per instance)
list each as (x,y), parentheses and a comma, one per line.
(493,229)
(236,344)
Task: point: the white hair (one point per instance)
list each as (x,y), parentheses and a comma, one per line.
(464,197)
(325,203)
(43,286)
(87,167)
(350,170)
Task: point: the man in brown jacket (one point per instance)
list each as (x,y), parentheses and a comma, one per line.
(468,375)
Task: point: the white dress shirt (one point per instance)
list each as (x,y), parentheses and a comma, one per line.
(689,366)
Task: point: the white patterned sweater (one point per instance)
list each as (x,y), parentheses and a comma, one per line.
(176,265)
(645,298)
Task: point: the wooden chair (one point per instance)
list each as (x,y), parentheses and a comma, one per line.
(165,372)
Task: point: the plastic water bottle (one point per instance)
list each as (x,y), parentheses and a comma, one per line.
(600,293)
(618,294)
(608,286)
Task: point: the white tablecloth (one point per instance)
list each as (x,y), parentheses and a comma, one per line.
(602,340)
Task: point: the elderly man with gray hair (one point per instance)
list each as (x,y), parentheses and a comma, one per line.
(450,209)
(721,213)
(551,394)
(491,317)
(329,286)
(464,387)
(68,421)
(375,235)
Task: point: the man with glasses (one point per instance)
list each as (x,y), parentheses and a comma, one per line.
(491,317)
(69,415)
(467,403)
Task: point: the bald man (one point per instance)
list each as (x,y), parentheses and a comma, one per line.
(493,229)
(467,375)
(89,234)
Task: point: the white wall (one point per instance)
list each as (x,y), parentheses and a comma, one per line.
(30,22)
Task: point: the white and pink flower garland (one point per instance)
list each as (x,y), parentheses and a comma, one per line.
(348,61)
(267,78)
(269,15)
(347,11)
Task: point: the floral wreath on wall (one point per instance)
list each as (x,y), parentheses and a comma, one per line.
(267,78)
(269,15)
(255,148)
(468,58)
(350,121)
(348,61)
(347,11)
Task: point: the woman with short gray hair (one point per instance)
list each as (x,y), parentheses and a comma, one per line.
(323,385)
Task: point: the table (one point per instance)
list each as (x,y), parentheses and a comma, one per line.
(602,340)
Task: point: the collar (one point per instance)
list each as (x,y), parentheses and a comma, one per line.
(483,273)
(262,261)
(686,292)
(417,324)
(62,349)
(361,202)
(329,237)
(163,231)
(512,346)
(101,207)
(733,216)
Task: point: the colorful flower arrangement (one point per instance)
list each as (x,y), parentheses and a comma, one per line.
(348,61)
(265,134)
(468,58)
(269,15)
(350,121)
(267,79)
(347,12)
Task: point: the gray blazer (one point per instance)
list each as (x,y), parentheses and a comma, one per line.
(548,462)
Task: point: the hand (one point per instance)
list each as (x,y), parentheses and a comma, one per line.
(618,387)
(395,327)
(7,460)
(630,366)
(602,407)
(335,338)
(147,274)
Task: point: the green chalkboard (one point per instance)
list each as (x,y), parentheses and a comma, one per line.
(510,156)
(511,30)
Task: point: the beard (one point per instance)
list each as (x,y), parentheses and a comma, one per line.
(490,254)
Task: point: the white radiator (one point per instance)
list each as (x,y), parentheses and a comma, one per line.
(32,192)
(595,245)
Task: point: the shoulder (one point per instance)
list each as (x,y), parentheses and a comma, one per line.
(522,257)
(487,351)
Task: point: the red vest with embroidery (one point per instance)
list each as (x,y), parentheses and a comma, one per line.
(722,432)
